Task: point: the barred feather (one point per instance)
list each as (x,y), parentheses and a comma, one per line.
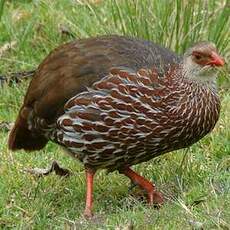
(127,118)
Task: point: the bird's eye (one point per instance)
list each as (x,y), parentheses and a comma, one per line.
(197,56)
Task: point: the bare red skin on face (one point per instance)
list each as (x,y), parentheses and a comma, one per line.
(210,58)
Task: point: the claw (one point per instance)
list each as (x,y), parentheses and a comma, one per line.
(154,198)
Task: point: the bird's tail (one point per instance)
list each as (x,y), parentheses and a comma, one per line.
(22,138)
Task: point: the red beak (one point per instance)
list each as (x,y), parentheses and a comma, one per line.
(216,60)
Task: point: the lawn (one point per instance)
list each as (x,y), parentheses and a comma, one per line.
(195,181)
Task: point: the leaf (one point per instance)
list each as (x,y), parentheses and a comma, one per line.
(19,15)
(7,46)
(196,224)
(6,126)
(46,171)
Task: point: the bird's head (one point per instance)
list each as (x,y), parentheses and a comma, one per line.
(201,62)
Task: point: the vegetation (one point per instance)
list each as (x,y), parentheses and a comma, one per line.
(195,181)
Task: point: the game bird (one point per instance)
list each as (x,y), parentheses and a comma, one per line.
(112,102)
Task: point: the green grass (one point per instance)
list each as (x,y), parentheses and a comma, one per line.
(196,181)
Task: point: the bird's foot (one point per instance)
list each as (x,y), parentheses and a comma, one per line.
(54,167)
(155,199)
(88,214)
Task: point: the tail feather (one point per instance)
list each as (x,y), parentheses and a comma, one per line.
(22,138)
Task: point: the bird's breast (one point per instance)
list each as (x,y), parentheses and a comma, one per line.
(128,118)
(196,115)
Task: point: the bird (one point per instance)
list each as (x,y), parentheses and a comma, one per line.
(113,102)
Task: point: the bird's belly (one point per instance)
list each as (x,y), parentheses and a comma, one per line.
(106,152)
(116,148)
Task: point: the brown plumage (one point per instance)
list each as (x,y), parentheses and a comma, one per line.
(73,67)
(113,102)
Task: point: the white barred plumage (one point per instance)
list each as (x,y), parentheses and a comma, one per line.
(127,118)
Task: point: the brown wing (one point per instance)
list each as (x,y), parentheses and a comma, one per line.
(69,69)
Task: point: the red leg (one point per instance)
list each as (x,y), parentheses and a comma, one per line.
(89,193)
(154,197)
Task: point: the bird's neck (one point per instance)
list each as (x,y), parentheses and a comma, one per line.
(206,79)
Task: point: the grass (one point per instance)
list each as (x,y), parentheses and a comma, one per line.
(195,181)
